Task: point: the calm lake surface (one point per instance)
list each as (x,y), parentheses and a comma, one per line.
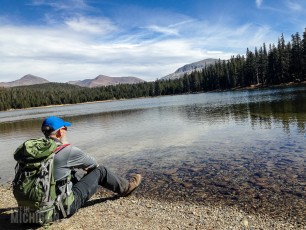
(243,148)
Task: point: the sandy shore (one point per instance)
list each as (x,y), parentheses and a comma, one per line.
(133,212)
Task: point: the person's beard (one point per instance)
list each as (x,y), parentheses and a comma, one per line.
(64,139)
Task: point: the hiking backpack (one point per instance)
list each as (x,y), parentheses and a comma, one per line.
(34,186)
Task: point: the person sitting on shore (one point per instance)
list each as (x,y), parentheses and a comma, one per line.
(70,158)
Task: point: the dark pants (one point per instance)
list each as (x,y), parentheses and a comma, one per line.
(87,186)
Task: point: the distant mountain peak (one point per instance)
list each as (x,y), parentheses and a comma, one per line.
(188,68)
(102,76)
(103,80)
(29,76)
(28,79)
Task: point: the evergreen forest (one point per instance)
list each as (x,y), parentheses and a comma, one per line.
(275,64)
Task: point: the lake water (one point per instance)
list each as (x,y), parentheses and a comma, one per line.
(242,148)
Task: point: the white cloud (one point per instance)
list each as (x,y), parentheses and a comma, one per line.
(259,2)
(172,29)
(62,5)
(294,6)
(163,30)
(99,26)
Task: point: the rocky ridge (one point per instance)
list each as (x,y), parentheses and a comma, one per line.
(103,80)
(25,80)
(189,68)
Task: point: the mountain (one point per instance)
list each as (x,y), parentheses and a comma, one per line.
(103,80)
(187,69)
(25,80)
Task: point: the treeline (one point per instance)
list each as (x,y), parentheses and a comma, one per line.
(63,93)
(281,63)
(277,64)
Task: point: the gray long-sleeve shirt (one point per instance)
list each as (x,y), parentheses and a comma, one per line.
(71,158)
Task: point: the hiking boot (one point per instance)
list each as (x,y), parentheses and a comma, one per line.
(133,184)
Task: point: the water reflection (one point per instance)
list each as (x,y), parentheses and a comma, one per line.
(282,111)
(263,113)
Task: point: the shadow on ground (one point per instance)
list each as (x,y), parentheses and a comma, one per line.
(9,216)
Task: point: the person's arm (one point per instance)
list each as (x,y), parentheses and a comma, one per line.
(79,159)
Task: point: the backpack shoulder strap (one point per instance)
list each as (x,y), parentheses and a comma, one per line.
(59,148)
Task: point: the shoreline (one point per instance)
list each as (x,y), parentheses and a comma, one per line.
(60,105)
(135,212)
(251,87)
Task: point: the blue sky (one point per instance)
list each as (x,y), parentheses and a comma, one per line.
(79,39)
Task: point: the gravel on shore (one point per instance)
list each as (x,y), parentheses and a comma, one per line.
(103,212)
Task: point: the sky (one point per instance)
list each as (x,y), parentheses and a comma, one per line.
(67,40)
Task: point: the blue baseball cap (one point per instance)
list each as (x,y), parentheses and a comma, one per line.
(55,123)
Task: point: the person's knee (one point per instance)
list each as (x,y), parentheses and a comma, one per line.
(101,172)
(102,169)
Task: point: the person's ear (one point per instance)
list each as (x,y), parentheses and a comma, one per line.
(62,132)
(59,133)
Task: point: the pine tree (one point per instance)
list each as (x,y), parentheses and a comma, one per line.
(296,58)
(281,61)
(250,69)
(272,76)
(304,56)
(263,66)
